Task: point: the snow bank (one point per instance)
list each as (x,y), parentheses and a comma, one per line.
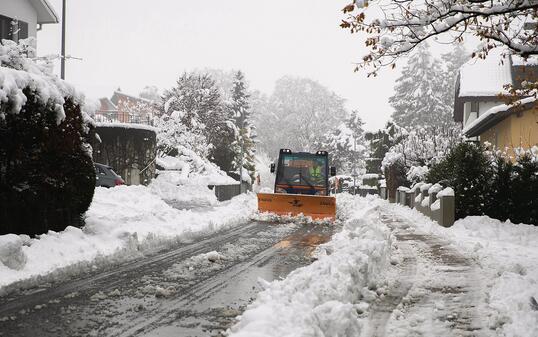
(191,169)
(329,297)
(173,187)
(122,223)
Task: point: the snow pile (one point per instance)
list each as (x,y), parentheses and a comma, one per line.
(329,297)
(194,170)
(173,187)
(121,223)
(509,253)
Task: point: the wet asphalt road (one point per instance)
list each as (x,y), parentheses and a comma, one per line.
(181,291)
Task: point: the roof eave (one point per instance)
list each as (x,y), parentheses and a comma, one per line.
(45,12)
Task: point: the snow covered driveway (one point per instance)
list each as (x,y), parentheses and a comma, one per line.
(433,290)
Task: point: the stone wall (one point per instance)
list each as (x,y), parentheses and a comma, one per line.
(129,149)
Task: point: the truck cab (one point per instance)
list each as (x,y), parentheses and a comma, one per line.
(302,173)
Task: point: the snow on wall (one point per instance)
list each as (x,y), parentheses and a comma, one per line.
(126,126)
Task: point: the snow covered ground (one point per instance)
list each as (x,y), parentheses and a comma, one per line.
(121,223)
(339,294)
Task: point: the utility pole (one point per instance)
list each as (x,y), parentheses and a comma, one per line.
(241,167)
(62,55)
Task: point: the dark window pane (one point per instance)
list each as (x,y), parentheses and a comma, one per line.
(474,106)
(5,27)
(23,30)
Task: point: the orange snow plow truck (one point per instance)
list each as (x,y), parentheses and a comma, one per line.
(301,186)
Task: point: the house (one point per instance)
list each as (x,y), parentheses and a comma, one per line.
(20,19)
(481,110)
(124,108)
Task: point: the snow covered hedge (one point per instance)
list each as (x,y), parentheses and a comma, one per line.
(490,184)
(46,171)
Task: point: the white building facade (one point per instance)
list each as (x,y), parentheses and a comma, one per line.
(20,19)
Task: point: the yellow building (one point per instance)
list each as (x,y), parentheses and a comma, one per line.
(507,127)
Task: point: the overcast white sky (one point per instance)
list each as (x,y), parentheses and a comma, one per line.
(134,43)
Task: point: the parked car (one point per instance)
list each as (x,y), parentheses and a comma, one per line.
(106,177)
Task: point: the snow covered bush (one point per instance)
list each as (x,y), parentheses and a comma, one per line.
(47,177)
(466,169)
(490,185)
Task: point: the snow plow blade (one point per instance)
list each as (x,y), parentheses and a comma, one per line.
(317,207)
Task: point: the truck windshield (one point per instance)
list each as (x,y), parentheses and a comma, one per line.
(302,169)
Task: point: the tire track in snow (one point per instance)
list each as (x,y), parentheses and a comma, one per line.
(436,291)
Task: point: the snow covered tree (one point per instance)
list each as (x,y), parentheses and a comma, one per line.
(452,62)
(419,98)
(297,115)
(240,110)
(346,144)
(174,135)
(151,93)
(398,27)
(379,143)
(199,102)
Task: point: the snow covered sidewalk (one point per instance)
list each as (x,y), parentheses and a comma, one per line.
(121,224)
(393,272)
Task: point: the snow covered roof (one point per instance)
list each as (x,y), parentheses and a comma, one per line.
(495,115)
(45,12)
(119,95)
(485,78)
(107,105)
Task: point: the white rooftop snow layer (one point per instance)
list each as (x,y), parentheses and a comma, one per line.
(121,222)
(485,77)
(495,110)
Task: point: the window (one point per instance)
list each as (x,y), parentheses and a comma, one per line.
(474,106)
(12,29)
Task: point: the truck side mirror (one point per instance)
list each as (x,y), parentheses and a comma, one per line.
(272,167)
(333,171)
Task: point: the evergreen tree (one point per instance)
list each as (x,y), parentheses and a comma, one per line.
(379,143)
(240,111)
(452,63)
(419,99)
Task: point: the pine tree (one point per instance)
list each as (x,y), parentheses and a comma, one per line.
(452,62)
(419,99)
(240,111)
